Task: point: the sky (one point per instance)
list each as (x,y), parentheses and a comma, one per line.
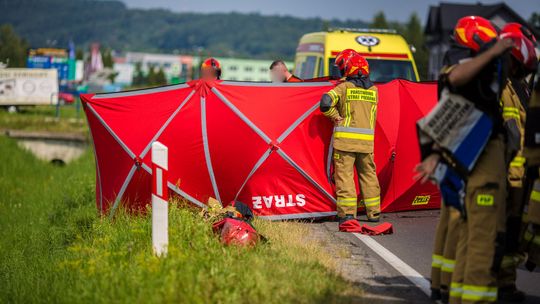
(395,10)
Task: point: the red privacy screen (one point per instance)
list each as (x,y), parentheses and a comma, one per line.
(264,144)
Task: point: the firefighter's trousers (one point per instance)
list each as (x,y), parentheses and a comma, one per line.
(444,251)
(512,257)
(481,234)
(344,164)
(531,237)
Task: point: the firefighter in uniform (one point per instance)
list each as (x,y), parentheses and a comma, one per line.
(474,70)
(513,113)
(515,98)
(211,69)
(530,243)
(352,105)
(481,238)
(514,104)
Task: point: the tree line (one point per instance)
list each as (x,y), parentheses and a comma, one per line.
(53,23)
(116,27)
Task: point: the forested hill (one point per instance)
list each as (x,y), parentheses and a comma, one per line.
(46,22)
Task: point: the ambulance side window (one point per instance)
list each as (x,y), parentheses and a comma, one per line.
(298,66)
(308,67)
(332,68)
(321,67)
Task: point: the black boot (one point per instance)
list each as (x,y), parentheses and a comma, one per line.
(374,219)
(445,297)
(345,218)
(435,294)
(511,294)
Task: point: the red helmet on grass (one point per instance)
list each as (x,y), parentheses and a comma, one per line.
(474,31)
(236,232)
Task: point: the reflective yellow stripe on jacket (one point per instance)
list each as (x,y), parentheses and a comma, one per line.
(354,133)
(347,117)
(335,98)
(372,117)
(535,194)
(518,161)
(511,112)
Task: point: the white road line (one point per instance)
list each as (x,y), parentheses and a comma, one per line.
(407,271)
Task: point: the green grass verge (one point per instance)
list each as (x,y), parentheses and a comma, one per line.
(43,118)
(54,248)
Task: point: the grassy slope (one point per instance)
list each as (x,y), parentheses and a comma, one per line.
(43,118)
(54,248)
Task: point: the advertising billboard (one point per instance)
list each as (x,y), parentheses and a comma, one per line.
(20,86)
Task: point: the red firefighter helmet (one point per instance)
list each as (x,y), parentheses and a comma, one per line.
(356,65)
(342,57)
(524,42)
(238,232)
(212,63)
(234,231)
(474,31)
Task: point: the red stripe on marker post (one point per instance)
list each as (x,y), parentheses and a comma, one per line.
(160,195)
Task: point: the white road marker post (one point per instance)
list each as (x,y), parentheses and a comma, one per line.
(160,195)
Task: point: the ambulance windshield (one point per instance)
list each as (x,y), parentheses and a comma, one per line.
(384,70)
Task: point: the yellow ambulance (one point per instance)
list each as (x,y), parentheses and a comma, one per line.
(388,54)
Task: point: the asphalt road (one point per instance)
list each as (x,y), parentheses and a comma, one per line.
(412,242)
(379,281)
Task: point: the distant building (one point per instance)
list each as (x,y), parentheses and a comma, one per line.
(238,69)
(443,18)
(177,68)
(124,70)
(183,68)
